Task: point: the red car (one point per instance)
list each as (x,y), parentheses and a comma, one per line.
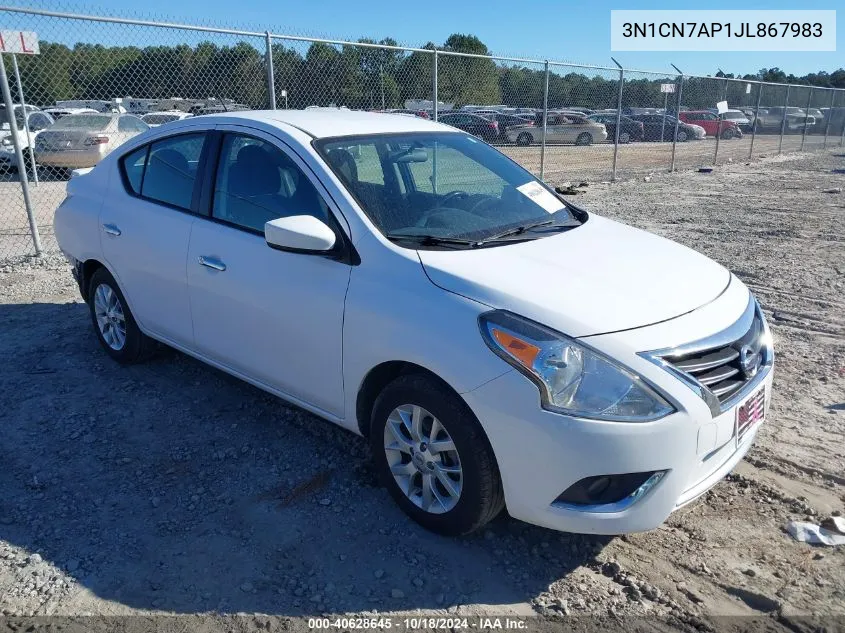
(711,123)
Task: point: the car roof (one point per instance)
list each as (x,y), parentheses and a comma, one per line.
(325,123)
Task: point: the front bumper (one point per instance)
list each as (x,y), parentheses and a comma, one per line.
(540,454)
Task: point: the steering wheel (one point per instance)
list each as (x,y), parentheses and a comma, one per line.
(483,202)
(442,207)
(452,195)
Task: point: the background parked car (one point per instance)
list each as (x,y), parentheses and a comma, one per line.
(420,113)
(561,127)
(771,119)
(37,121)
(629,130)
(507,121)
(81,140)
(742,120)
(712,123)
(154,119)
(58,113)
(659,127)
(474,124)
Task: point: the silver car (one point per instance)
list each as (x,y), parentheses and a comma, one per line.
(561,127)
(81,140)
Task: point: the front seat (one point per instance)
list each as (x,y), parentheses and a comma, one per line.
(169,178)
(253,186)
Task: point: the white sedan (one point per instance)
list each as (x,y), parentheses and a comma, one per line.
(499,347)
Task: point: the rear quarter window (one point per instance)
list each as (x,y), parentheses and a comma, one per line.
(132,165)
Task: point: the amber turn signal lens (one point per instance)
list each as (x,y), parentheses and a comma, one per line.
(525,353)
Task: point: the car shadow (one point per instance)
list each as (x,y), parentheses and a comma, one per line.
(171,486)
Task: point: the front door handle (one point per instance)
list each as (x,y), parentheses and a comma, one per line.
(111,229)
(211,262)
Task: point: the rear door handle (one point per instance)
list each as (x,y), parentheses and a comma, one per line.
(211,262)
(111,229)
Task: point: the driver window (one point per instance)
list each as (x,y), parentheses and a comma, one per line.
(256,182)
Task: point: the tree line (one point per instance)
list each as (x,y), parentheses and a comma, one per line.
(366,78)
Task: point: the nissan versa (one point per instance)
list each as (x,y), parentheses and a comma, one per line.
(497,346)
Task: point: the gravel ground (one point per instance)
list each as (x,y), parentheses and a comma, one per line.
(172,488)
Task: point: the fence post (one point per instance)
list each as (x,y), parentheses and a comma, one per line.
(618,118)
(677,120)
(271,78)
(806,116)
(434,85)
(22,175)
(783,121)
(754,122)
(25,121)
(545,122)
(719,126)
(829,117)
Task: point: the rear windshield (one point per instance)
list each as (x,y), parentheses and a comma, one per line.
(96,122)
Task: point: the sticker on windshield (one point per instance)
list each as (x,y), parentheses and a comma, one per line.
(540,195)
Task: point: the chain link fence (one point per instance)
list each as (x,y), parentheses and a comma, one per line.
(563,122)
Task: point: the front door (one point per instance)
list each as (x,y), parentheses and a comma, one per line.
(275,317)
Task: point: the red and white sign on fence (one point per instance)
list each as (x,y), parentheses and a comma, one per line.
(20,42)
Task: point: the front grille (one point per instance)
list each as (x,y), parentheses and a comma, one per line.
(725,369)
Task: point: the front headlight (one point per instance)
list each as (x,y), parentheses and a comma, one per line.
(7,142)
(573,379)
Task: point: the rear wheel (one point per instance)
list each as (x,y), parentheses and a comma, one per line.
(584,138)
(113,321)
(433,457)
(524,139)
(624,137)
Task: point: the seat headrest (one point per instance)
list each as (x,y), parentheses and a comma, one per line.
(254,173)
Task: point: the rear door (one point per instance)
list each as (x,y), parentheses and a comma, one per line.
(145,228)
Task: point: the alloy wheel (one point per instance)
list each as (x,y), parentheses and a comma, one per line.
(423,459)
(110,318)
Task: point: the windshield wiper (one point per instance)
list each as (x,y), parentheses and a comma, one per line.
(524,228)
(431,240)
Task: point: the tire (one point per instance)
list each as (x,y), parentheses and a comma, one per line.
(584,138)
(115,327)
(624,138)
(479,495)
(728,134)
(681,137)
(524,139)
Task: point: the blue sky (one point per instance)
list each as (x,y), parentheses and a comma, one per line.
(558,29)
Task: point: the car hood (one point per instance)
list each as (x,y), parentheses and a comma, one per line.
(600,277)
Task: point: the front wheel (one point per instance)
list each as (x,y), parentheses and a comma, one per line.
(114,324)
(584,138)
(433,457)
(624,138)
(728,134)
(682,136)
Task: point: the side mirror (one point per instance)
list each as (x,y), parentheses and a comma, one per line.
(299,233)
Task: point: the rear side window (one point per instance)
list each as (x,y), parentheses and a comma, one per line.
(165,171)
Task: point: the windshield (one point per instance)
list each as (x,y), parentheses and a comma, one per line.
(734,115)
(95,122)
(445,185)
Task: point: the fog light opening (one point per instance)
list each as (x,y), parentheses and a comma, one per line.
(609,493)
